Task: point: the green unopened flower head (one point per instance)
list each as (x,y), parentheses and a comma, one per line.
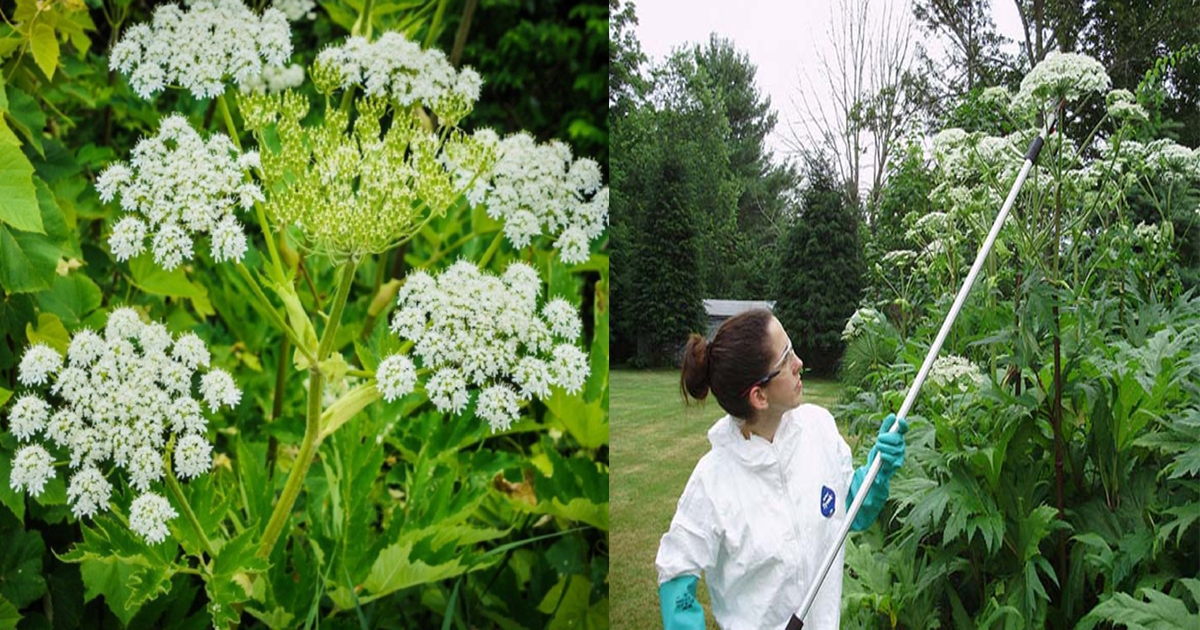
(359,189)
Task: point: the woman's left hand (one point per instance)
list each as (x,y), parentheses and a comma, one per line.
(889,445)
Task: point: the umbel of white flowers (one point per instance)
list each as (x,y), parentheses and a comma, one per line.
(178,186)
(122,397)
(473,329)
(539,188)
(198,48)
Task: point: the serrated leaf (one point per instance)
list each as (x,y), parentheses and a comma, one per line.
(396,569)
(18,197)
(71,297)
(587,422)
(122,568)
(44,45)
(21,580)
(568,601)
(225,587)
(151,278)
(27,118)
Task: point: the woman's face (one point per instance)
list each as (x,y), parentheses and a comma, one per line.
(785,390)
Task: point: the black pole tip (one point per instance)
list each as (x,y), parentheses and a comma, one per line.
(794,623)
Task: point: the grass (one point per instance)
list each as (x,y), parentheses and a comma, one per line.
(655,441)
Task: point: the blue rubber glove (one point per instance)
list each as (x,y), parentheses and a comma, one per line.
(890,448)
(680,608)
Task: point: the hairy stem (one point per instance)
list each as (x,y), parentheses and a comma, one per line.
(312,424)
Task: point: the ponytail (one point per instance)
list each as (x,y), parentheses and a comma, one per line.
(694,379)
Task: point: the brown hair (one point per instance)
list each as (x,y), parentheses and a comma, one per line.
(737,357)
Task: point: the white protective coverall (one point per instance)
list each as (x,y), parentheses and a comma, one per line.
(757,517)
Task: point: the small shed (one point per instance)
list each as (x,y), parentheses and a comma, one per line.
(718,311)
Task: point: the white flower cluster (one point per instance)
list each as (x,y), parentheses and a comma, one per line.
(397,67)
(124,395)
(859,321)
(296,10)
(996,97)
(1061,76)
(1123,106)
(474,329)
(538,189)
(900,257)
(181,186)
(1150,235)
(198,48)
(1172,161)
(955,370)
(275,79)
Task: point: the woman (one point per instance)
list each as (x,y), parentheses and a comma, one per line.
(765,504)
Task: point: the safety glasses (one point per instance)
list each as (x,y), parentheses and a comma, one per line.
(776,369)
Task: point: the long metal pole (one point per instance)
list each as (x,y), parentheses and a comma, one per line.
(1031,156)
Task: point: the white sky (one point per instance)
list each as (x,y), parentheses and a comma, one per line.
(781,37)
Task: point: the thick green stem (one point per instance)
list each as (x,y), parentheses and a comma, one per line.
(312,424)
(295,480)
(173,486)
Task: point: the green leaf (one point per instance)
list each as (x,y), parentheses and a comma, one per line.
(568,602)
(228,584)
(18,197)
(1161,612)
(586,421)
(21,580)
(13,500)
(45,48)
(27,260)
(72,298)
(397,568)
(27,118)
(4,396)
(8,615)
(151,278)
(122,568)
(49,331)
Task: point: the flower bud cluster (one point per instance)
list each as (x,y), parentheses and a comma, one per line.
(472,329)
(122,397)
(540,189)
(395,67)
(360,190)
(200,47)
(178,186)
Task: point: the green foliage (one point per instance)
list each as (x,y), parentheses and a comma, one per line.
(403,505)
(818,273)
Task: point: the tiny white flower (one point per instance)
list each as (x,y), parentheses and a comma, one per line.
(61,424)
(217,388)
(448,390)
(499,406)
(570,367)
(563,318)
(128,238)
(191,351)
(532,375)
(155,338)
(88,492)
(85,347)
(187,416)
(171,246)
(228,240)
(32,467)
(148,516)
(395,377)
(28,416)
(193,456)
(123,323)
(37,364)
(145,468)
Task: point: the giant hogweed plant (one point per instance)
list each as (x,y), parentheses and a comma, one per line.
(1052,478)
(372,174)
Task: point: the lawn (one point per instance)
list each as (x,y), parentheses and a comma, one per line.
(655,442)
